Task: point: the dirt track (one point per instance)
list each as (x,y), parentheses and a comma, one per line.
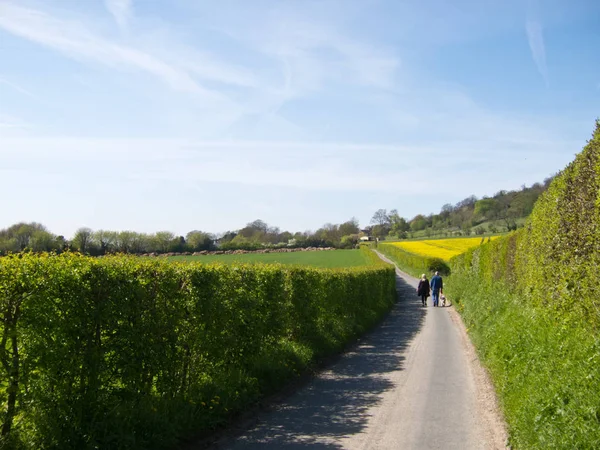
(413,383)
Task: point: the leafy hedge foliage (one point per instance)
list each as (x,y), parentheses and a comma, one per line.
(120,352)
(414,264)
(530,301)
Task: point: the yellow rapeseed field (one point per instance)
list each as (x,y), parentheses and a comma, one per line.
(440,248)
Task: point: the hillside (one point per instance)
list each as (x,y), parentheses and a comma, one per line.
(500,213)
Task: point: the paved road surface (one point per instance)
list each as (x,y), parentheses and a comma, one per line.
(408,385)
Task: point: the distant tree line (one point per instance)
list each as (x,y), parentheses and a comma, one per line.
(463,218)
(255,235)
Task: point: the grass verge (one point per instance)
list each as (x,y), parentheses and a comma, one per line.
(545,369)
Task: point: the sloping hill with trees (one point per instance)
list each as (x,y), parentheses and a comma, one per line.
(503,212)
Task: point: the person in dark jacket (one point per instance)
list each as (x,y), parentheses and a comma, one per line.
(423,289)
(437,287)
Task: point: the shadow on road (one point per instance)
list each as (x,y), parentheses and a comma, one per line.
(335,404)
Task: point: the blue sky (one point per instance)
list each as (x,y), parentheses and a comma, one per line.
(185,114)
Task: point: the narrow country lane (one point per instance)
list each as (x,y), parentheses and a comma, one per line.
(412,383)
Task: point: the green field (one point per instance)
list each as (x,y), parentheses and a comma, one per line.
(325,259)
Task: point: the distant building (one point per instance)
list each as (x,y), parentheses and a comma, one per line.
(367,238)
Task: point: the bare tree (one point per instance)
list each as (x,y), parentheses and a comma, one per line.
(105,240)
(381,218)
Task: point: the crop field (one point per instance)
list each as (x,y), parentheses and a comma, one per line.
(440,248)
(323,259)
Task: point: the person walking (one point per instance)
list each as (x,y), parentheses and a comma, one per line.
(437,287)
(423,290)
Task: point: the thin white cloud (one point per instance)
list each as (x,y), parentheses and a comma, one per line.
(75,41)
(306,166)
(17,88)
(291,49)
(122,11)
(159,52)
(535,37)
(312,45)
(373,67)
(201,63)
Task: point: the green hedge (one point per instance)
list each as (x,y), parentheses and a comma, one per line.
(530,301)
(120,352)
(412,264)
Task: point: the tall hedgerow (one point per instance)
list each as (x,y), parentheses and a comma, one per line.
(560,249)
(120,352)
(531,302)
